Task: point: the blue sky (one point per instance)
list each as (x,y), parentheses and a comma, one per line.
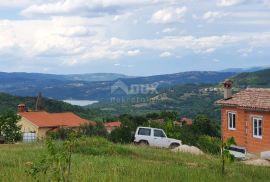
(134,37)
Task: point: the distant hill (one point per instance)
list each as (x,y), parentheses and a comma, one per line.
(255,79)
(194,77)
(91,77)
(243,70)
(57,87)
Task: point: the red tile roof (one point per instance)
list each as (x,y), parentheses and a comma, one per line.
(187,120)
(251,98)
(45,119)
(113,124)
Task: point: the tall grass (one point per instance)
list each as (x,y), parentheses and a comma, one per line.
(96,159)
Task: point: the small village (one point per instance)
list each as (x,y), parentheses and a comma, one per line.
(134,91)
(243,117)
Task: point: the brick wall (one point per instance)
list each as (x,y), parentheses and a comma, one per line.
(244,129)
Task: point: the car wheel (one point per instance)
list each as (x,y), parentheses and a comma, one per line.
(143,143)
(174,145)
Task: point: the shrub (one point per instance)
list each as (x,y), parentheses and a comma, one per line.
(209,144)
(90,130)
(10,131)
(121,135)
(61,134)
(56,164)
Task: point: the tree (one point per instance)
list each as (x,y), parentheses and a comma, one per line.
(202,125)
(225,154)
(56,164)
(172,115)
(9,127)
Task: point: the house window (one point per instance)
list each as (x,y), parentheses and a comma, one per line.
(257,127)
(231,120)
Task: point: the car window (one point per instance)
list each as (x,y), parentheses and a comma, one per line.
(144,131)
(236,149)
(158,133)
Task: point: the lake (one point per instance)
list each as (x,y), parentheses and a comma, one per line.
(80,102)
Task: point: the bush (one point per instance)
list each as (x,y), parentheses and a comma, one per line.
(61,134)
(10,131)
(121,135)
(90,130)
(209,144)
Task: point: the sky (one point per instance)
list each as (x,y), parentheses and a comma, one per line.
(133,37)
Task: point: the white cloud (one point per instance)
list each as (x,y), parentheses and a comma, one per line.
(71,62)
(165,54)
(245,52)
(169,15)
(168,30)
(15,3)
(66,41)
(83,7)
(76,31)
(121,17)
(211,16)
(229,2)
(267,2)
(133,52)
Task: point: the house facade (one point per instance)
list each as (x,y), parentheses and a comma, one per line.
(39,124)
(246,117)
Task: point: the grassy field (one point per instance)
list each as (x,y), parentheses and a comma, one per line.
(103,161)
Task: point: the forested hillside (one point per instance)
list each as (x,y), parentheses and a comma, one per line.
(9,102)
(253,79)
(79,86)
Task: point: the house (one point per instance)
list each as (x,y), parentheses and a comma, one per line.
(112,125)
(246,117)
(183,121)
(38,124)
(187,121)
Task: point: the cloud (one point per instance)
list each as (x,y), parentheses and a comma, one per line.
(71,62)
(15,3)
(58,39)
(245,52)
(211,16)
(165,54)
(133,52)
(229,2)
(83,7)
(76,31)
(168,30)
(169,15)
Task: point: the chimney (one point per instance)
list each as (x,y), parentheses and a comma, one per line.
(228,89)
(21,108)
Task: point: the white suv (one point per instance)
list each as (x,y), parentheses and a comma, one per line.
(154,137)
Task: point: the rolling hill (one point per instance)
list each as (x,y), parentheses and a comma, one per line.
(75,87)
(91,77)
(253,79)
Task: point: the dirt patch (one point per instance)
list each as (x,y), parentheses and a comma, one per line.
(188,149)
(257,162)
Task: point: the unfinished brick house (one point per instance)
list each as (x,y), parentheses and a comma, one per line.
(246,117)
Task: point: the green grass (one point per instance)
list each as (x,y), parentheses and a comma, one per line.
(99,160)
